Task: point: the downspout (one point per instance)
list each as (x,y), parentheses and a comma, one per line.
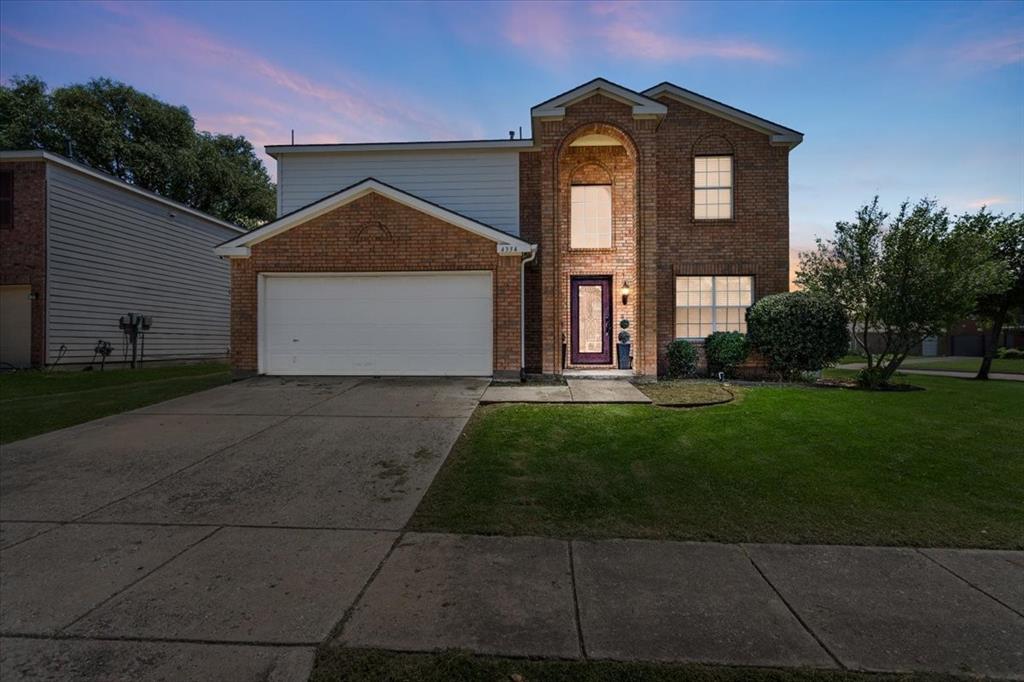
(522,311)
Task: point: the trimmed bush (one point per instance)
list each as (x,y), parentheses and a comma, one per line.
(798,332)
(1012,354)
(682,359)
(725,352)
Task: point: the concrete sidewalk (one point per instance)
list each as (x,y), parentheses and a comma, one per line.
(856,608)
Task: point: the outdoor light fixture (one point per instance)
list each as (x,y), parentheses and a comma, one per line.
(625,292)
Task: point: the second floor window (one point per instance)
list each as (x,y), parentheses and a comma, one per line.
(712,187)
(591,217)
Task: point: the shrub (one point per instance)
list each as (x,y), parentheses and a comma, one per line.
(798,332)
(725,351)
(682,358)
(1012,354)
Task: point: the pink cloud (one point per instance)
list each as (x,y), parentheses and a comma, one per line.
(994,51)
(242,92)
(628,30)
(989,201)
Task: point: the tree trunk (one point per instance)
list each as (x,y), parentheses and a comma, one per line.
(990,348)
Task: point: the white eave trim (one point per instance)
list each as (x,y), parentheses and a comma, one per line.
(454,145)
(643,106)
(778,134)
(239,247)
(38,154)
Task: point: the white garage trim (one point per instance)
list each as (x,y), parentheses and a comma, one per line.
(263,335)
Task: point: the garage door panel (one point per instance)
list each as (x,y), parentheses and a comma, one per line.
(416,324)
(367,311)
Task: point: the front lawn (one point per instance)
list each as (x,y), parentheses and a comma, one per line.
(940,467)
(36,402)
(335,664)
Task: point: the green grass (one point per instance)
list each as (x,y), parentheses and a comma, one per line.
(32,403)
(941,467)
(334,664)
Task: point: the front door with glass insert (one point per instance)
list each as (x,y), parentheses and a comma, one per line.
(590,320)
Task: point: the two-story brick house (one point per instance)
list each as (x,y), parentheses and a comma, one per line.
(664,208)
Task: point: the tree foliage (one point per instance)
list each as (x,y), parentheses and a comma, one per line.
(901,280)
(1004,235)
(798,331)
(115,128)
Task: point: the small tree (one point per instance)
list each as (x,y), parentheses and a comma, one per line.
(903,280)
(682,358)
(798,332)
(1005,238)
(725,351)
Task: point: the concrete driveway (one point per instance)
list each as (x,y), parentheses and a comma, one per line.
(221,535)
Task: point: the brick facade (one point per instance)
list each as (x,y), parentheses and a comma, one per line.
(23,246)
(375,234)
(655,236)
(754,242)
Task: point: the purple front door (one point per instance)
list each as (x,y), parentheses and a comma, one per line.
(590,313)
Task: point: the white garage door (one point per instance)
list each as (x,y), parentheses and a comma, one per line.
(430,324)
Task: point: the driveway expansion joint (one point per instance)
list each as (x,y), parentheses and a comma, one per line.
(576,601)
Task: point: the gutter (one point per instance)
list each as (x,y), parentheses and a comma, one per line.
(522,311)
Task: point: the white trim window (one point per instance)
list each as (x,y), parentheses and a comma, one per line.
(591,217)
(712,187)
(709,304)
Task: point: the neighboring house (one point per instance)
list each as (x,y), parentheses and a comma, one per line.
(80,248)
(663,208)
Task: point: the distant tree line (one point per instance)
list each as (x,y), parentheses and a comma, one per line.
(115,128)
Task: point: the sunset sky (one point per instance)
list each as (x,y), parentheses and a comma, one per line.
(899,99)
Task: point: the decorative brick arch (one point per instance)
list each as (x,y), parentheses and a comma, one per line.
(710,145)
(591,173)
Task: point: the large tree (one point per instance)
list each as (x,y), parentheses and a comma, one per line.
(1004,235)
(901,280)
(136,137)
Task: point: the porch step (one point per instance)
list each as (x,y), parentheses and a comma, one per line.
(624,374)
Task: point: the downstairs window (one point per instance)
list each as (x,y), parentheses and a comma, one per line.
(712,303)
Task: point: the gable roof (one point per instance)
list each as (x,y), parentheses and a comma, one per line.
(779,134)
(643,107)
(239,246)
(40,155)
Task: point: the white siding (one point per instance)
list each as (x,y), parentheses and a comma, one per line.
(112,252)
(480,184)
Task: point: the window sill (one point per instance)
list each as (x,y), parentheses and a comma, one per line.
(596,249)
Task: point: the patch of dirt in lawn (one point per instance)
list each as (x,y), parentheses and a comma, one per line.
(683,393)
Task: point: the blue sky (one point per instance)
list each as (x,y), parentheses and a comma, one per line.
(899,99)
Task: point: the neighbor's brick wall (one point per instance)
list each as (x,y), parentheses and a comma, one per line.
(375,234)
(23,246)
(754,242)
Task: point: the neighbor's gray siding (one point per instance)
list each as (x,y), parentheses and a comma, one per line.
(111,252)
(481,184)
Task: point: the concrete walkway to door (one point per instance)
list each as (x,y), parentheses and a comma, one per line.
(573,391)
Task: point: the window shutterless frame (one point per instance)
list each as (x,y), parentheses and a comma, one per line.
(718,313)
(713,183)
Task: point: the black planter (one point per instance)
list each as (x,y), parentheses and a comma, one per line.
(624,359)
